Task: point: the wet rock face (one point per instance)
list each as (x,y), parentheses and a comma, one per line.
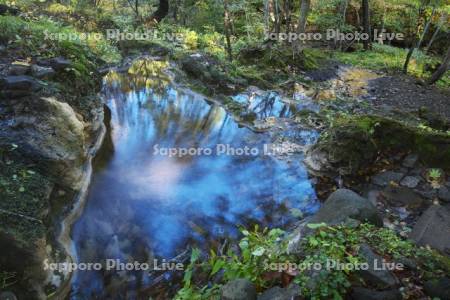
(345,150)
(48,132)
(239,289)
(433,228)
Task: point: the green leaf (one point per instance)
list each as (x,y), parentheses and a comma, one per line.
(258,251)
(217,266)
(315,226)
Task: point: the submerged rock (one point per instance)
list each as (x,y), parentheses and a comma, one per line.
(239,289)
(433,228)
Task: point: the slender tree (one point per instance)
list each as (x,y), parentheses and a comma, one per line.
(227,29)
(436,32)
(366,23)
(305,6)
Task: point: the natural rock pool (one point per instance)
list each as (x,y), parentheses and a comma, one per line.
(146,202)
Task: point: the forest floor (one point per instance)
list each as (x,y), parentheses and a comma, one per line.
(404,92)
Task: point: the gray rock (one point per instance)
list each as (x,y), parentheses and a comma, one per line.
(18,68)
(377,278)
(384,178)
(438,288)
(410,181)
(42,72)
(344,204)
(433,228)
(7,295)
(18,86)
(410,160)
(444,194)
(57,63)
(277,293)
(239,289)
(398,196)
(360,293)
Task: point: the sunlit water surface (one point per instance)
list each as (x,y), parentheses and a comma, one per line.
(144,205)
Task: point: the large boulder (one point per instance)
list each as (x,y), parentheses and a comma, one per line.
(433,228)
(239,289)
(50,133)
(342,206)
(345,204)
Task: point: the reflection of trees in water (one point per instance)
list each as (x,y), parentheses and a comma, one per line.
(269,105)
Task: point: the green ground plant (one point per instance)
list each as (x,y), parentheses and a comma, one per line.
(261,250)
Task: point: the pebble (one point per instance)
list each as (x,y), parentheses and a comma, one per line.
(384,178)
(410,181)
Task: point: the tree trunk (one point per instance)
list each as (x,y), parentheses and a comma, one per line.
(277,17)
(162,11)
(366,23)
(442,69)
(304,11)
(343,12)
(227,29)
(436,32)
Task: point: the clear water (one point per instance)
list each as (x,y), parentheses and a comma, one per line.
(144,204)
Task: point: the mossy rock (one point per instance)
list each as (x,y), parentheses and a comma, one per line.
(353,143)
(433,146)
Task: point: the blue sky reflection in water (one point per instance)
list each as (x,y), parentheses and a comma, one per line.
(142,205)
